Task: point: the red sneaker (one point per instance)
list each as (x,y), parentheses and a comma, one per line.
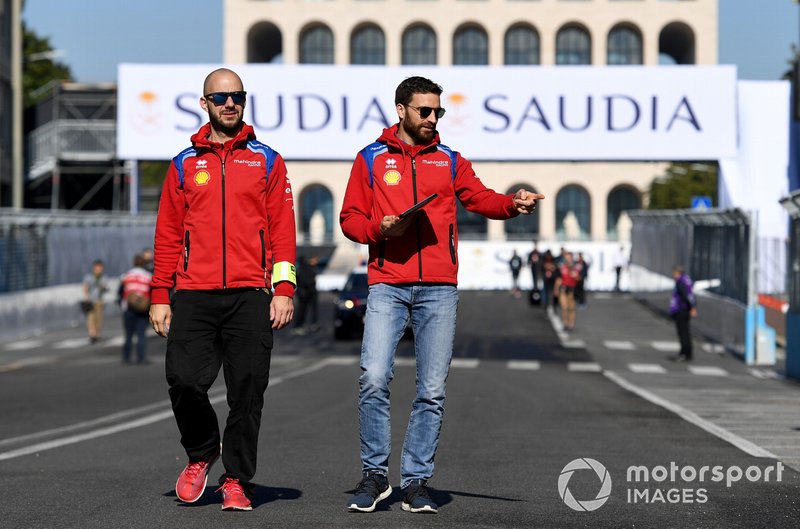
(233,497)
(192,481)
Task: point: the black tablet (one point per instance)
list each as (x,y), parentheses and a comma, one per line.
(417,206)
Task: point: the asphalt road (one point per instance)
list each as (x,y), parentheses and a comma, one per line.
(86,442)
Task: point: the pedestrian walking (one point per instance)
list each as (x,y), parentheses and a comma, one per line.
(682,308)
(135,286)
(580,288)
(225,231)
(515,264)
(549,275)
(535,263)
(620,262)
(412,275)
(306,296)
(95,286)
(567,279)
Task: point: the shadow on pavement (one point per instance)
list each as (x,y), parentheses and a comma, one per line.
(261,495)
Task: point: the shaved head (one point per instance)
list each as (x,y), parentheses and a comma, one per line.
(222,80)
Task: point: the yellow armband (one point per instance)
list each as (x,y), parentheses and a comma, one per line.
(284,271)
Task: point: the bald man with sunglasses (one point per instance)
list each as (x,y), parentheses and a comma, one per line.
(412,274)
(225,241)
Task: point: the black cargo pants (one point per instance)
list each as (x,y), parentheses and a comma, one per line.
(209,329)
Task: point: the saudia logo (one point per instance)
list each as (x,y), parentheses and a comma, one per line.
(499,114)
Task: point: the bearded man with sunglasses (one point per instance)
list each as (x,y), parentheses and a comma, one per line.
(412,271)
(225,238)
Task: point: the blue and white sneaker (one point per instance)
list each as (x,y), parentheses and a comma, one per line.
(418,499)
(372,489)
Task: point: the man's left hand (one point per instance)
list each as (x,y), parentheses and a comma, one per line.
(281,311)
(525,201)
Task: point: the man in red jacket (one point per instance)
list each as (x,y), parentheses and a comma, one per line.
(412,269)
(225,238)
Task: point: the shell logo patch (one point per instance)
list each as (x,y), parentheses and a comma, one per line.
(392,177)
(202,178)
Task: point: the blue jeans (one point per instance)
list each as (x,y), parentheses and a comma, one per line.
(432,312)
(135,325)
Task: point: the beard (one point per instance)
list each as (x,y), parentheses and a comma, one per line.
(421,134)
(229,129)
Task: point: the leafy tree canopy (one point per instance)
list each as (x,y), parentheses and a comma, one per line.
(682,181)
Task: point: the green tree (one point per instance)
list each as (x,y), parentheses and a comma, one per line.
(682,181)
(39,68)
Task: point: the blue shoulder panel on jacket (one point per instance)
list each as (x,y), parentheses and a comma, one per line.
(369,153)
(453,158)
(268,152)
(178,161)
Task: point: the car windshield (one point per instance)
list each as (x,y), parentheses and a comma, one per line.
(356,282)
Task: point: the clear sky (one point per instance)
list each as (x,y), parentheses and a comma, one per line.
(96,35)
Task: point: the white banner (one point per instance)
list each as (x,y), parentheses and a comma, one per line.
(511,113)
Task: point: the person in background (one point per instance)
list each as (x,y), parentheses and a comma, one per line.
(306,296)
(568,276)
(225,238)
(682,308)
(147,256)
(135,285)
(515,264)
(620,262)
(549,276)
(535,262)
(580,288)
(95,286)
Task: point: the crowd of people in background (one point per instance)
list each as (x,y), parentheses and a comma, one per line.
(133,299)
(559,280)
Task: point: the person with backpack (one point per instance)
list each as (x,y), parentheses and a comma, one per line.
(412,275)
(135,299)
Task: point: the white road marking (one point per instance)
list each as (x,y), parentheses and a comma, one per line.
(708,371)
(647,368)
(584,367)
(691,417)
(71,343)
(619,345)
(218,396)
(666,347)
(404,361)
(468,363)
(530,365)
(23,345)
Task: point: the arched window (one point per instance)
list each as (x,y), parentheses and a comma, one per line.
(676,44)
(368,45)
(524,227)
(624,46)
(621,198)
(470,47)
(316,45)
(419,45)
(573,213)
(316,214)
(470,225)
(521,45)
(264,43)
(573,46)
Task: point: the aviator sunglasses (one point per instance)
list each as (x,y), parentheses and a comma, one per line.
(424,112)
(220,98)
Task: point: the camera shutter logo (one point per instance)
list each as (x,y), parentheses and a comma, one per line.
(584,463)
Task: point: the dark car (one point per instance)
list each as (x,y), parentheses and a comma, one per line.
(351,305)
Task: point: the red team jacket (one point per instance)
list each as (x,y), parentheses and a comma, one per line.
(225,220)
(400,176)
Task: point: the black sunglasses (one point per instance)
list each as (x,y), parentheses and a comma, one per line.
(220,98)
(424,112)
